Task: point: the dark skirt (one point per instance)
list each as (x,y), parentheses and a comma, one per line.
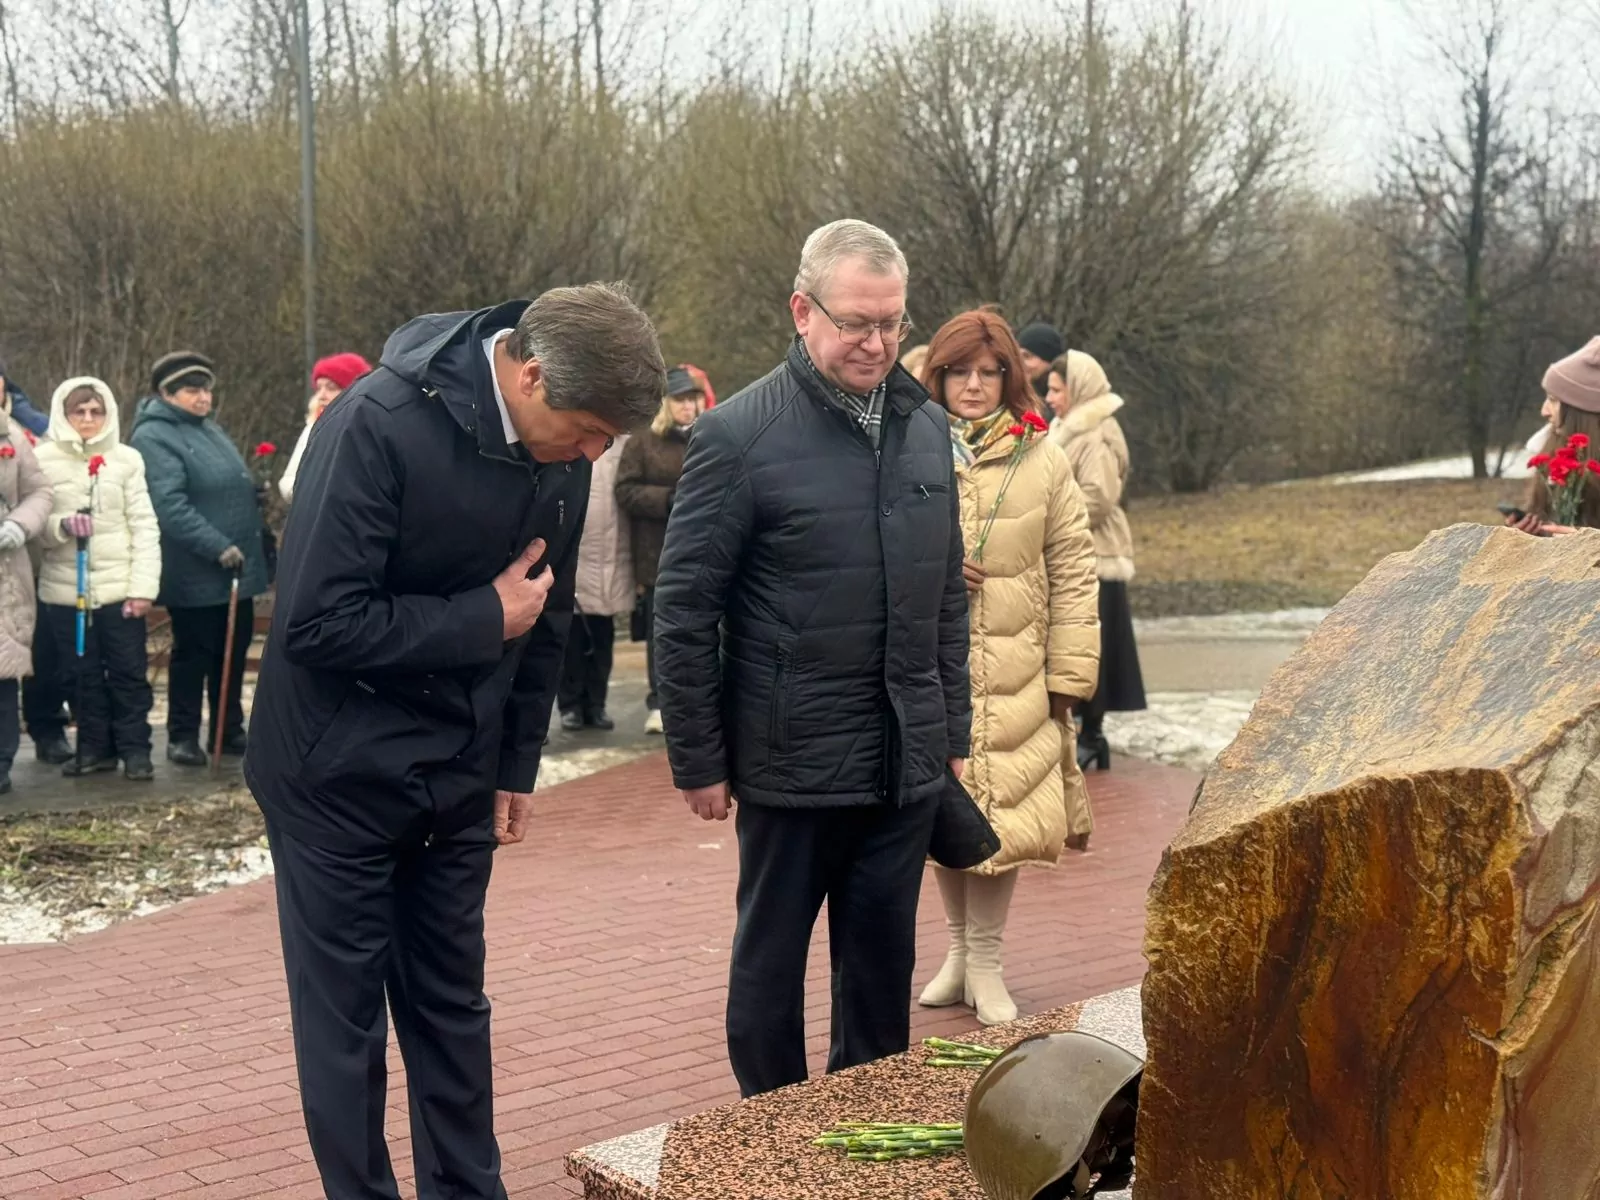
(1121,683)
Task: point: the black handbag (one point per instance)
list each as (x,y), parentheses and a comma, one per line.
(962,835)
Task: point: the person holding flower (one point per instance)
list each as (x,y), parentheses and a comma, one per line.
(211,529)
(331,377)
(1564,493)
(1035,637)
(101,495)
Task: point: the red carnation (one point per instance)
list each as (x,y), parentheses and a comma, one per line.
(95,463)
(28,433)
(1593,467)
(1035,420)
(266,450)
(1559,471)
(8,451)
(1578,441)
(1017,430)
(1540,460)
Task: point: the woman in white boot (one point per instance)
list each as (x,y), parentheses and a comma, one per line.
(1035,637)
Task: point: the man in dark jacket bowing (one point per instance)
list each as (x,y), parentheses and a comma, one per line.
(811,642)
(424,593)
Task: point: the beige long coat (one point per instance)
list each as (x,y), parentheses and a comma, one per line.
(1098,452)
(605,556)
(1035,630)
(25,499)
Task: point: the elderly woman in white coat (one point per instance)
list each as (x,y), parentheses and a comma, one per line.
(604,591)
(100,495)
(24,509)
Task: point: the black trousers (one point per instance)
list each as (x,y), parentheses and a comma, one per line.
(47,692)
(198,635)
(867,863)
(651,701)
(10,724)
(406,928)
(586,670)
(111,683)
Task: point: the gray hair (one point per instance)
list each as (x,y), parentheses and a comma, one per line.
(598,352)
(831,245)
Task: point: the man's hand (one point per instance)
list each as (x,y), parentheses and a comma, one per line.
(522,599)
(511,813)
(231,559)
(1061,708)
(135,610)
(708,803)
(958,768)
(974,573)
(1530,523)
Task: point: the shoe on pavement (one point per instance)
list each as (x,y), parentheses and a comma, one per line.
(234,746)
(91,765)
(5,783)
(55,751)
(139,768)
(187,753)
(652,723)
(602,721)
(571,721)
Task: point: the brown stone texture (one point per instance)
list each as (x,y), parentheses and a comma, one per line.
(1373,944)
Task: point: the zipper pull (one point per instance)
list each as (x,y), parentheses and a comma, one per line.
(877,460)
(561,514)
(923,488)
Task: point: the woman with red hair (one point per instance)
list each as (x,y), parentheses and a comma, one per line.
(1035,637)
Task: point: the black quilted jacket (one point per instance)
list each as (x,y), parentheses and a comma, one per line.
(811,619)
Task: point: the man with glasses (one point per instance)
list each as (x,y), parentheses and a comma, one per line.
(811,641)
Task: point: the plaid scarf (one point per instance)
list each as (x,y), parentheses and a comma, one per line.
(866,410)
(968,439)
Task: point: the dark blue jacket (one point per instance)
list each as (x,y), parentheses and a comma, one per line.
(389,704)
(29,417)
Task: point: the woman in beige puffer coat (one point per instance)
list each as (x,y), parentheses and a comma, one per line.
(100,490)
(24,509)
(1034,637)
(604,591)
(1086,428)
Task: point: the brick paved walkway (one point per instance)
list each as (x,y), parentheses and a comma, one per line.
(154,1059)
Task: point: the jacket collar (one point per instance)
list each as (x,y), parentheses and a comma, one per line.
(442,353)
(1083,417)
(903,396)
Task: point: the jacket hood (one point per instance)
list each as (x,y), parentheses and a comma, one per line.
(62,431)
(442,353)
(1081,418)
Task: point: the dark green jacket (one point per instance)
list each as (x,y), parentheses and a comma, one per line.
(205,500)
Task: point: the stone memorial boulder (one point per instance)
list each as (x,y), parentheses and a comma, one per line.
(1373,945)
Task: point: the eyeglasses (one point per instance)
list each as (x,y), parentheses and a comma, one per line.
(986,375)
(856,332)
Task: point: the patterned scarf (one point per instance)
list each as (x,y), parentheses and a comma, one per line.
(867,410)
(968,439)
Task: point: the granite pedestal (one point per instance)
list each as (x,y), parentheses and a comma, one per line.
(760,1149)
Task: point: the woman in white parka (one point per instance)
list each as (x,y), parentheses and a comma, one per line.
(100,493)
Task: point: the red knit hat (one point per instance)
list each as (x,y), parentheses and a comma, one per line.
(343,369)
(1575,380)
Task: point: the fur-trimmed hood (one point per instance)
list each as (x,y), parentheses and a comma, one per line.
(1081,418)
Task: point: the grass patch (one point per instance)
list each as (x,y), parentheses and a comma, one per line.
(1303,545)
(94,866)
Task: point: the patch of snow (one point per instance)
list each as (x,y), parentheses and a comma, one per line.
(1292,624)
(1458,467)
(1181,729)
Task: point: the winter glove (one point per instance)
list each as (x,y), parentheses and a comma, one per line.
(12,536)
(231,559)
(78,525)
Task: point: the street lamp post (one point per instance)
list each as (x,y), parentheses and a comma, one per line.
(308,182)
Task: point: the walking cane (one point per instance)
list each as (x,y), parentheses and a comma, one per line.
(82,638)
(227,672)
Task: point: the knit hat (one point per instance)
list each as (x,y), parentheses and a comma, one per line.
(680,382)
(170,368)
(342,369)
(1043,341)
(1575,380)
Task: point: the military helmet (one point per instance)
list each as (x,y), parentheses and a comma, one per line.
(1053,1117)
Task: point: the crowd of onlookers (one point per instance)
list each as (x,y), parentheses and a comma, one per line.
(98,526)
